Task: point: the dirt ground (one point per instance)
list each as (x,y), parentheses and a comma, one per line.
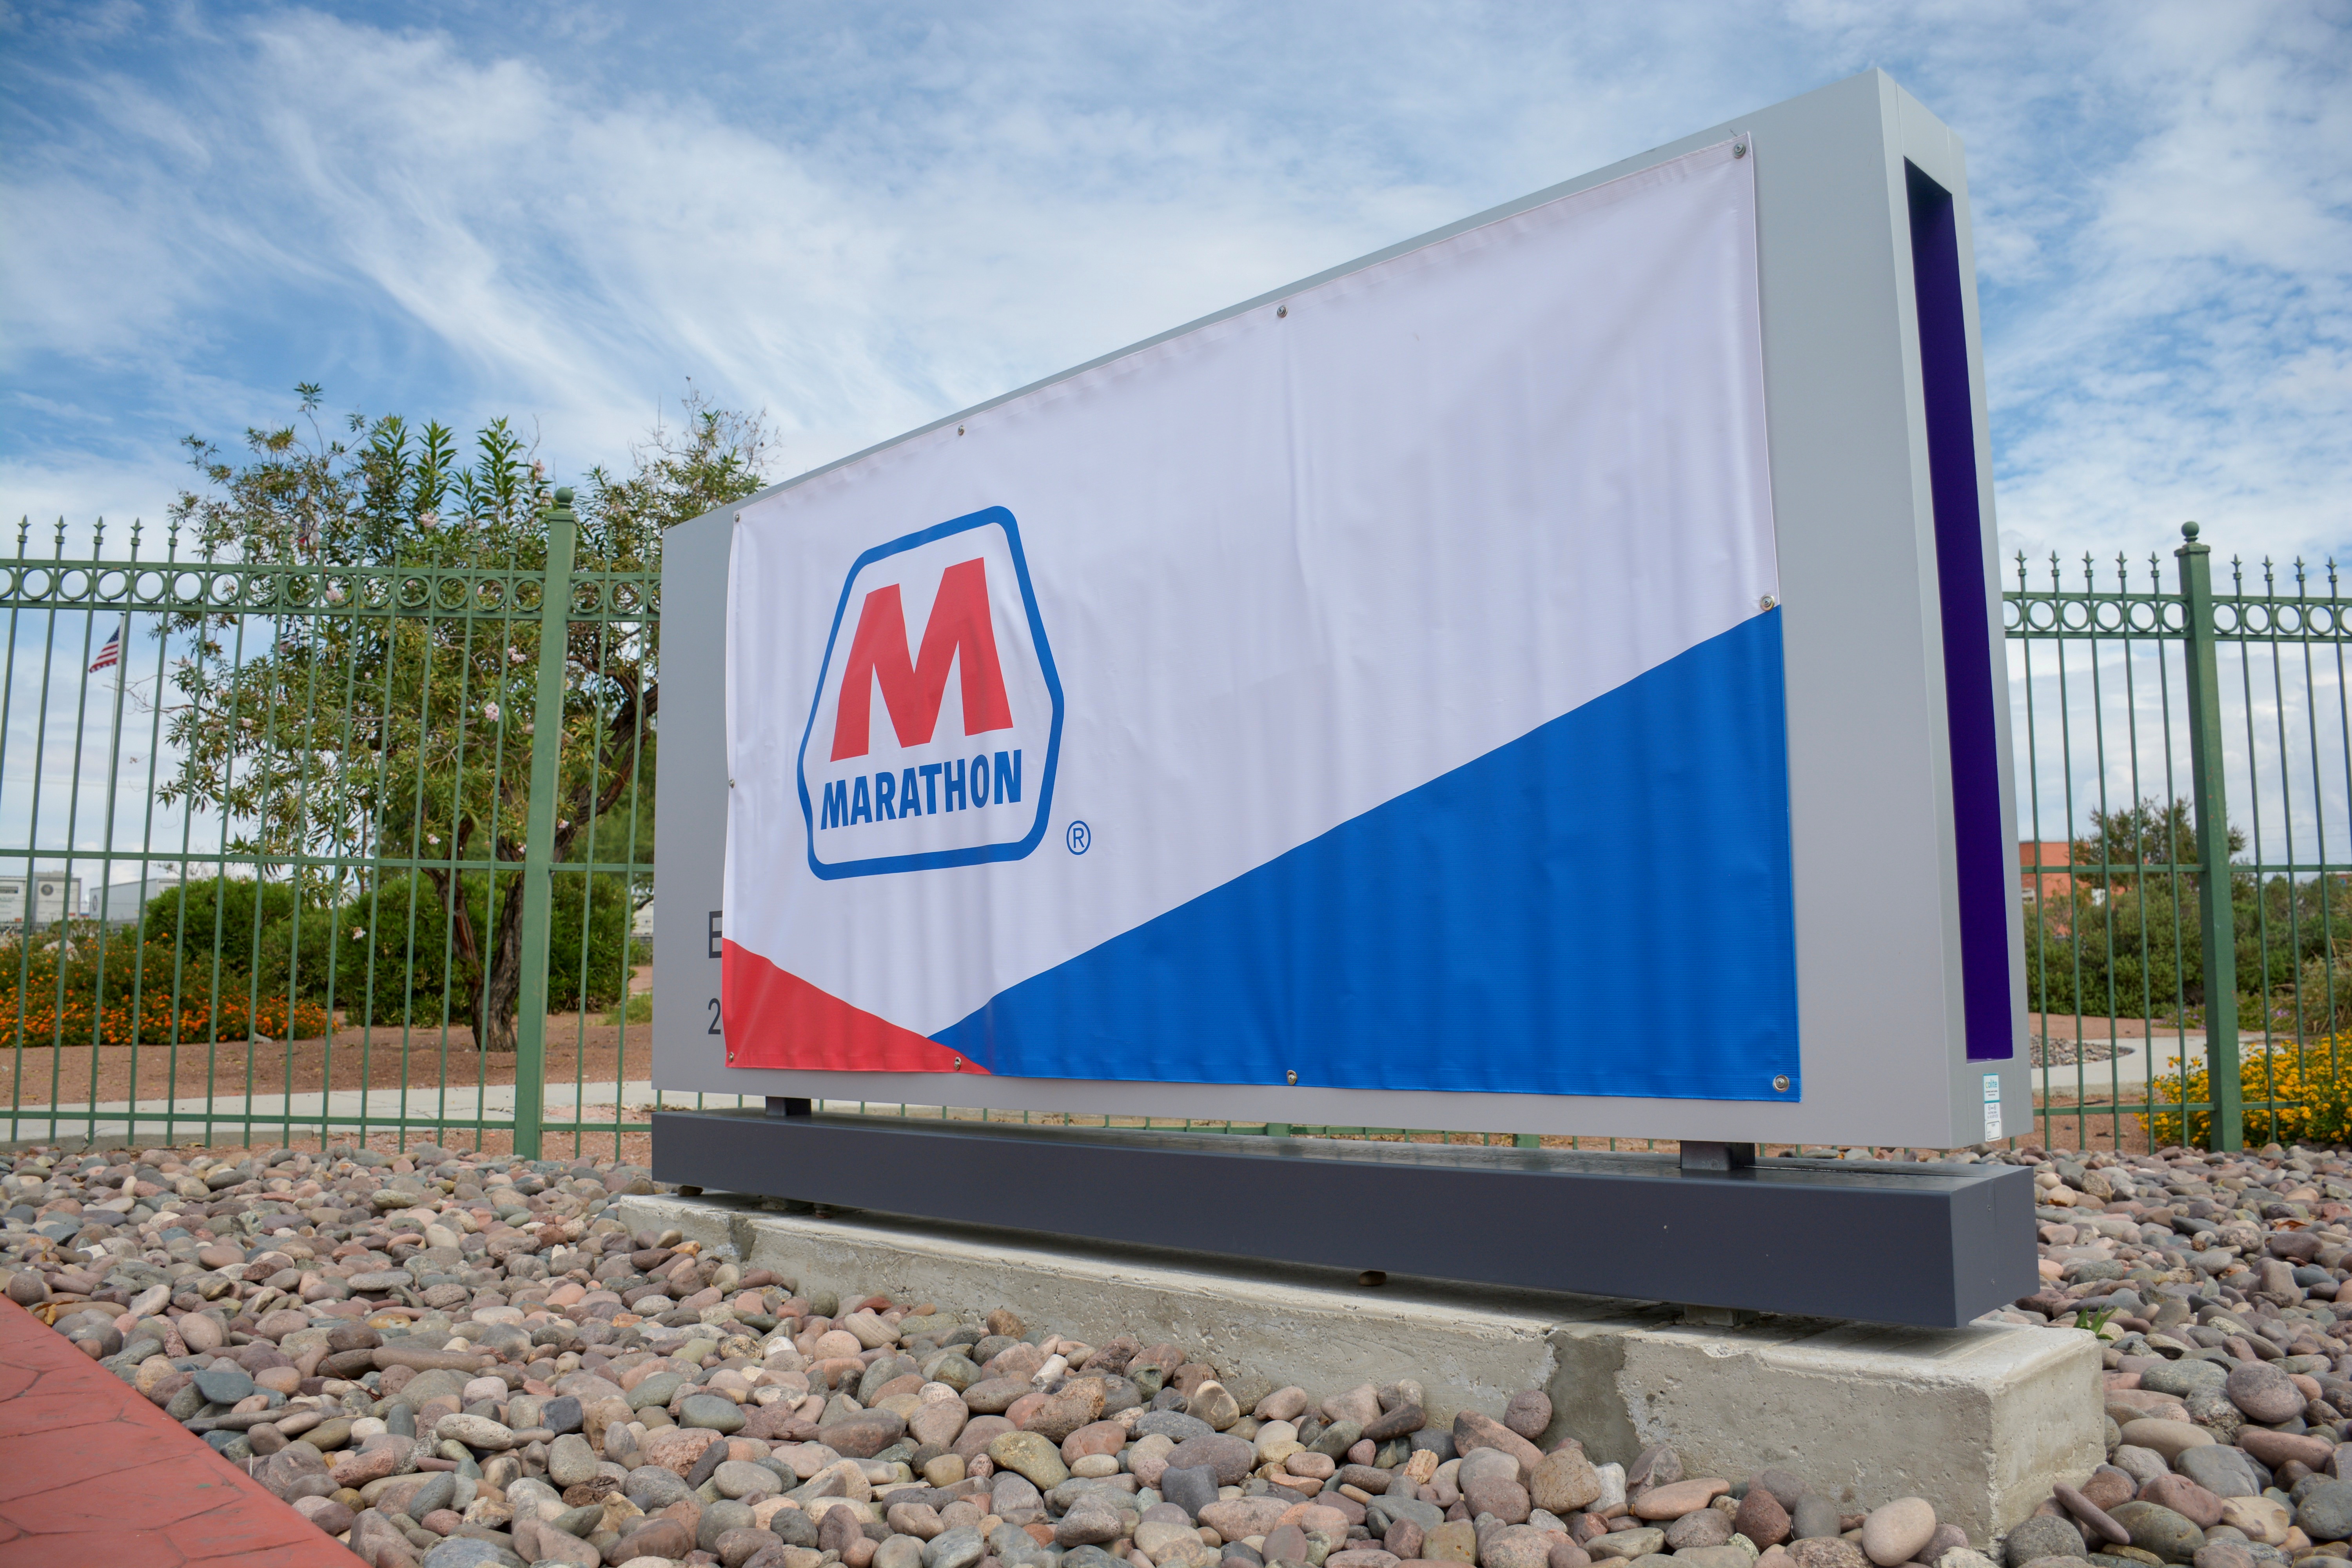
(633,1148)
(2079,1027)
(2087,1132)
(379,1058)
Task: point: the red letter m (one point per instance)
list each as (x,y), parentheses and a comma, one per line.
(959,626)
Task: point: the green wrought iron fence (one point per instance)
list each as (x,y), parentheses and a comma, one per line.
(2184,790)
(285,847)
(295,847)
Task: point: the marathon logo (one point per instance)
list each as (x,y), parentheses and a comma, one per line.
(954,764)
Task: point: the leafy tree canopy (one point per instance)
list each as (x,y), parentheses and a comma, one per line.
(2148,832)
(377,728)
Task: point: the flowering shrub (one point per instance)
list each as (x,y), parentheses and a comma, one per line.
(51,992)
(2318,1078)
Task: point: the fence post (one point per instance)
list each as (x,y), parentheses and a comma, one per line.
(2216,928)
(539,831)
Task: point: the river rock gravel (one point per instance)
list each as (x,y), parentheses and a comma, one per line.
(451,1359)
(2212,1280)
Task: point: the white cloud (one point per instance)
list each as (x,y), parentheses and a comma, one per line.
(861,219)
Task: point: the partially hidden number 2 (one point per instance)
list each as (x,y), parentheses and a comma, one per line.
(714,952)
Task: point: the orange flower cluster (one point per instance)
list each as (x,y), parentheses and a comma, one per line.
(198,1020)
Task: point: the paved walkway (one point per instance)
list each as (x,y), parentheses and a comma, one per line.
(90,1473)
(120,1120)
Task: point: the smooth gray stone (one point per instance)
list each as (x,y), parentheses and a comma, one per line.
(2154,1528)
(1172,1423)
(1814,1518)
(1438,1440)
(2325,1511)
(2040,1536)
(717,1518)
(225,1384)
(580,1521)
(2224,1471)
(435,1493)
(1191,1489)
(1337,1438)
(711,1411)
(1386,1510)
(654,1489)
(465,1552)
(958,1548)
(2184,1377)
(657,1390)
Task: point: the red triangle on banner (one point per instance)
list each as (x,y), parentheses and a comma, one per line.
(776,1019)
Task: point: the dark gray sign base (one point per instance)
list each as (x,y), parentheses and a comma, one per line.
(1933,1245)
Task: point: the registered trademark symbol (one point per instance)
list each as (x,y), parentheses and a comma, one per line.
(1082,837)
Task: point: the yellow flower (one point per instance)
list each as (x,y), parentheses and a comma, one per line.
(2315,1083)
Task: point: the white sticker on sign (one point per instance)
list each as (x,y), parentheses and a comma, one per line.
(1992,1089)
(1992,1119)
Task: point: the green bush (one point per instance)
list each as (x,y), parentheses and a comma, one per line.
(385,954)
(2139,952)
(395,955)
(252,930)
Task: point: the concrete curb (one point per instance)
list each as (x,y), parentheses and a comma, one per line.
(1980,1420)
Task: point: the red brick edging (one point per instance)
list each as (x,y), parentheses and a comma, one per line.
(92,1473)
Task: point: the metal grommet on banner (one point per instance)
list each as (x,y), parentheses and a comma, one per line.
(1767,601)
(1739,149)
(1281,310)
(958,1064)
(1292,1076)
(1780,1083)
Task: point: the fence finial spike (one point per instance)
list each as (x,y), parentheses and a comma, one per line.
(98,538)
(134,539)
(24,532)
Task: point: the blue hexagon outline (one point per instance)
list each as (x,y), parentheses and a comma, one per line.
(976,855)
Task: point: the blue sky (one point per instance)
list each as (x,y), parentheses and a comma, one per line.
(861,218)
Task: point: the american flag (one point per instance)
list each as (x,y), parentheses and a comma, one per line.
(111,654)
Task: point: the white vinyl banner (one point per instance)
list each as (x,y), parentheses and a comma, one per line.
(1343,689)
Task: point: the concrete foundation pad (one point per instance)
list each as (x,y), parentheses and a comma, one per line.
(1980,1420)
